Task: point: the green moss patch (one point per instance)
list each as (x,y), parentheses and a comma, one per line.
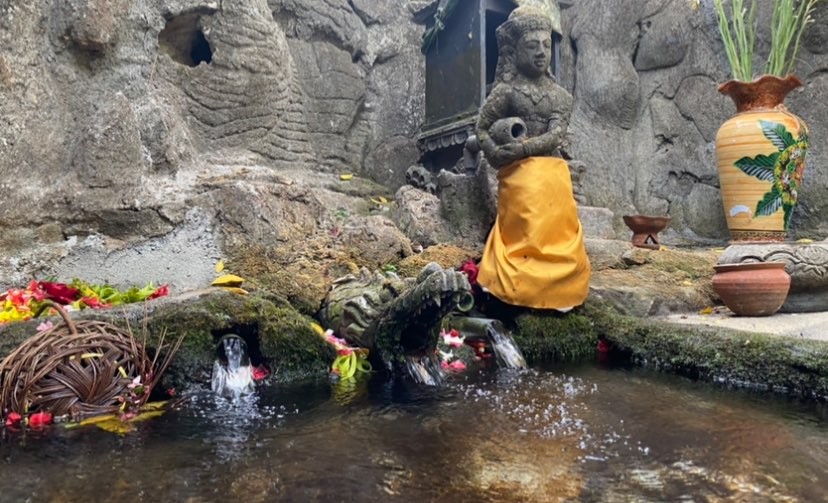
(567,337)
(784,364)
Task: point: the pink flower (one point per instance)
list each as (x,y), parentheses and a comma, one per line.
(126,416)
(332,339)
(46,325)
(457,366)
(135,383)
(452,338)
(37,293)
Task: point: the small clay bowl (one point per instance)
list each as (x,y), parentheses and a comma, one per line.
(645,229)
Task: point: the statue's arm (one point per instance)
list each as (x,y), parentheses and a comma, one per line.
(558,124)
(495,107)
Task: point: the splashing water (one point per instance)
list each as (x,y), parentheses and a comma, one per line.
(425,370)
(232,373)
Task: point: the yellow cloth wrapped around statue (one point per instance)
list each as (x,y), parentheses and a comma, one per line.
(535,255)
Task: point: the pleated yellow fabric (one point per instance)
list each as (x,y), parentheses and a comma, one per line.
(535,255)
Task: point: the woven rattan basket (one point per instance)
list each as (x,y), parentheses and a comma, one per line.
(78,368)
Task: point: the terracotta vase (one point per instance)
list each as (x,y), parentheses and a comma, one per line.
(752,288)
(761,157)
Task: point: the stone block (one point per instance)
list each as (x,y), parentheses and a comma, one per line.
(596,222)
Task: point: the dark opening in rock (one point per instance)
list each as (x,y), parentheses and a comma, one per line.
(250,334)
(184,41)
(201,50)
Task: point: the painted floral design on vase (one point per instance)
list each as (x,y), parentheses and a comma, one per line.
(761,157)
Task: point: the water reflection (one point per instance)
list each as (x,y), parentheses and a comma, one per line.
(579,434)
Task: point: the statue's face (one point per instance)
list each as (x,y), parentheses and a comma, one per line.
(534,53)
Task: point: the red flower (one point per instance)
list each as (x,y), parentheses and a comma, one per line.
(13,419)
(470,269)
(17,297)
(161,291)
(603,346)
(94,302)
(60,292)
(260,373)
(40,419)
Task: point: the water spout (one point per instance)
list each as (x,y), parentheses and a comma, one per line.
(232,373)
(506,351)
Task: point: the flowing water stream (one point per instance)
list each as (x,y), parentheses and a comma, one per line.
(562,434)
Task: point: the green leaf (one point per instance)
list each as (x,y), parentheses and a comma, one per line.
(760,166)
(769,204)
(788,214)
(777,134)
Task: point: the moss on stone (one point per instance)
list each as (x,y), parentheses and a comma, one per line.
(294,349)
(795,366)
(567,337)
(287,343)
(448,256)
(300,279)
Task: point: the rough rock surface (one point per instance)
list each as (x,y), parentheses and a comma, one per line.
(145,140)
(643,283)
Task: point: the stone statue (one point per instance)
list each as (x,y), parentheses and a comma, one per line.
(524,89)
(535,255)
(394,317)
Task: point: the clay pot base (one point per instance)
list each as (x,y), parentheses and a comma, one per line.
(646,241)
(645,230)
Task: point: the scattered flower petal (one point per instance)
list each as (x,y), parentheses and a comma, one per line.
(46,325)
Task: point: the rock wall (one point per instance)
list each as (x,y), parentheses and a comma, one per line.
(647,110)
(133,128)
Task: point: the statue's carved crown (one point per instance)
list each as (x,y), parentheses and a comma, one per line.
(521,21)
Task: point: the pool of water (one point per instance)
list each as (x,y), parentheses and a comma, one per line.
(558,434)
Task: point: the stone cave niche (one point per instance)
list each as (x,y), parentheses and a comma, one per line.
(184,41)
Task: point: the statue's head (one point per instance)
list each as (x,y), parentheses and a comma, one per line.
(525,45)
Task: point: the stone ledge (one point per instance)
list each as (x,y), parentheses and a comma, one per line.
(795,325)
